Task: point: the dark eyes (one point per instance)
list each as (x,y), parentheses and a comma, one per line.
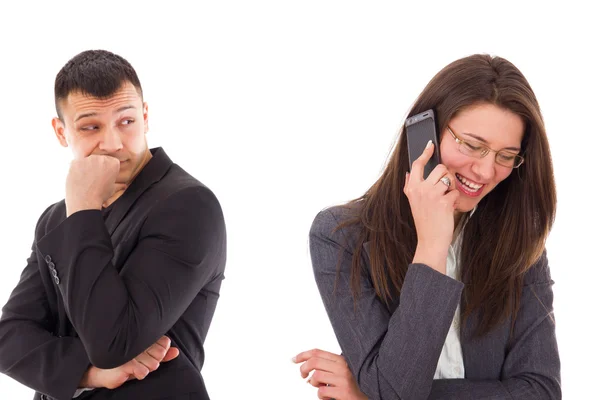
(88,128)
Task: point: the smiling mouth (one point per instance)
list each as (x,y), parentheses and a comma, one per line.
(468,187)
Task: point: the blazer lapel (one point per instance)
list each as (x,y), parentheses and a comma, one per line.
(153,172)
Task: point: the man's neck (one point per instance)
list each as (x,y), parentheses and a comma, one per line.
(119,193)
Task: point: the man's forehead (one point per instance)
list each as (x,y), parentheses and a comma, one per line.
(78,101)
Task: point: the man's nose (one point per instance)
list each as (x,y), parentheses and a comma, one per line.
(111,141)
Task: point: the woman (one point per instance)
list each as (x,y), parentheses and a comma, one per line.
(440,287)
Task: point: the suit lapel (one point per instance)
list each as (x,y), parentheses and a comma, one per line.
(153,172)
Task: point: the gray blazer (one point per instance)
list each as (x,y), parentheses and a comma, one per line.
(393,355)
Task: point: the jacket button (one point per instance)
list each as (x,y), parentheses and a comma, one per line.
(51,265)
(56,279)
(48,259)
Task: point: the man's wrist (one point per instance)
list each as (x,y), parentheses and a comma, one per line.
(73,207)
(90,378)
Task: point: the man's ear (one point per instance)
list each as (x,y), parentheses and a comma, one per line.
(59,131)
(145,111)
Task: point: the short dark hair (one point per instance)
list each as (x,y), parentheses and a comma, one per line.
(98,73)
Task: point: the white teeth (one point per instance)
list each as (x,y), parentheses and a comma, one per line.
(475,187)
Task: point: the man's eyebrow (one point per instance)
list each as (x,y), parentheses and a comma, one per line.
(92,114)
(516,149)
(127,107)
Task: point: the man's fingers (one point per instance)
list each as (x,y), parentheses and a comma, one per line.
(172,353)
(164,341)
(139,371)
(160,351)
(157,351)
(148,361)
(119,187)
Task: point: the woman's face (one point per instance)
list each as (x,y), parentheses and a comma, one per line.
(488,125)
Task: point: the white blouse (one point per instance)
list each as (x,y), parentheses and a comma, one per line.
(450,365)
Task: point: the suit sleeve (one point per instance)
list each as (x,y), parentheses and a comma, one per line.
(394,355)
(531,367)
(29,352)
(117,315)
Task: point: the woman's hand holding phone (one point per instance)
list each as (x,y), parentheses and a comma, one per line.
(432,204)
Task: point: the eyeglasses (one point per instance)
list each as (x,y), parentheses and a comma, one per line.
(479,150)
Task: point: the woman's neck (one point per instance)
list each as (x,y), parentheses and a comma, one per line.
(458,215)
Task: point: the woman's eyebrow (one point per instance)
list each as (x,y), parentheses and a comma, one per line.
(474,136)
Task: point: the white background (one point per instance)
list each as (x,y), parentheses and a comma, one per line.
(284,108)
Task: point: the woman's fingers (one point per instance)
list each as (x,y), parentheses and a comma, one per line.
(322,378)
(329,392)
(451,198)
(323,364)
(445,184)
(418,166)
(434,179)
(331,375)
(305,355)
(438,173)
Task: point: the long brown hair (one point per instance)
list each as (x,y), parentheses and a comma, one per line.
(520,209)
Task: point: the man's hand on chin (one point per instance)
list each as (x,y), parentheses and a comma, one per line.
(91,181)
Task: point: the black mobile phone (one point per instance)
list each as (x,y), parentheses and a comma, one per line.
(420,129)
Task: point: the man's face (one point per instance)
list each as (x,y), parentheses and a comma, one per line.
(115,127)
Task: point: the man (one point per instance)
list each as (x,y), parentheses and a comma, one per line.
(124,273)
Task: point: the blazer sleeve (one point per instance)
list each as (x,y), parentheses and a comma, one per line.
(392,355)
(531,367)
(29,352)
(117,315)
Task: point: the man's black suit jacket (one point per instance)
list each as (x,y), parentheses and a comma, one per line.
(102,286)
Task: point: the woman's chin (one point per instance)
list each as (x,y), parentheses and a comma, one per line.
(465,207)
